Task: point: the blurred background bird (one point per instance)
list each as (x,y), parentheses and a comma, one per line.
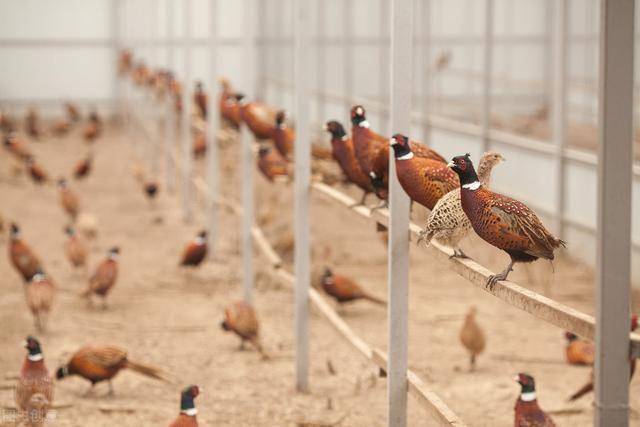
(200,100)
(272,164)
(68,199)
(83,167)
(36,171)
(72,111)
(240,318)
(344,289)
(188,410)
(579,351)
(93,128)
(34,379)
(39,294)
(17,146)
(283,136)
(102,362)
(75,249)
(21,255)
(195,251)
(472,337)
(104,278)
(32,123)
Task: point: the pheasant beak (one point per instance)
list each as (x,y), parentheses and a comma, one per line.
(325,128)
(393,141)
(516,378)
(450,164)
(25,344)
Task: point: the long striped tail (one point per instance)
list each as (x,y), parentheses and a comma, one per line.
(375,299)
(584,390)
(149,371)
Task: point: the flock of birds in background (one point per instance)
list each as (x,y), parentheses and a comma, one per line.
(457,196)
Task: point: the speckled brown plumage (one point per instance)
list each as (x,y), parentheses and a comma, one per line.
(344,154)
(502,221)
(272,164)
(283,135)
(579,351)
(21,255)
(447,222)
(240,318)
(105,276)
(345,290)
(39,294)
(424,180)
(35,388)
(259,118)
(527,411)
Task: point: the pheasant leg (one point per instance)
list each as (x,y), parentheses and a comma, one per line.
(495,278)
(383,204)
(458,253)
(361,202)
(111,392)
(422,237)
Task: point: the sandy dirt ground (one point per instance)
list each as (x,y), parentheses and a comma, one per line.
(171,319)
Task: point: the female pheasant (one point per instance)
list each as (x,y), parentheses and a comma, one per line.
(75,249)
(447,222)
(34,391)
(472,337)
(283,135)
(502,221)
(424,180)
(22,257)
(344,153)
(102,362)
(68,199)
(39,293)
(188,410)
(345,290)
(104,277)
(527,411)
(579,351)
(240,318)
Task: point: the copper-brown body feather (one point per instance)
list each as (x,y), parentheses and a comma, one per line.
(23,259)
(39,294)
(344,289)
(472,336)
(34,391)
(272,164)
(425,180)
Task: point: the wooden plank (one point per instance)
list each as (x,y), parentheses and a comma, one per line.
(258,238)
(540,306)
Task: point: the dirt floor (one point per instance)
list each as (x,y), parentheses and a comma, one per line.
(166,317)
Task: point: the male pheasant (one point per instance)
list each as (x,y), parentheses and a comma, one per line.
(527,411)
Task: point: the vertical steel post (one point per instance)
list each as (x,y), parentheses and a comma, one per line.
(426,70)
(559,106)
(170,118)
(347,52)
(398,260)
(383,69)
(155,143)
(614,212)
(302,72)
(247,158)
(322,60)
(488,71)
(187,86)
(116,20)
(213,160)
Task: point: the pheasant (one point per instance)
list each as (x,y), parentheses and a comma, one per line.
(7,123)
(424,180)
(22,257)
(32,123)
(83,167)
(366,143)
(271,163)
(93,129)
(151,190)
(527,411)
(447,222)
(579,351)
(39,294)
(200,99)
(345,290)
(73,113)
(34,390)
(229,105)
(102,362)
(588,387)
(188,410)
(17,146)
(101,282)
(472,337)
(199,145)
(75,249)
(240,318)
(283,136)
(68,199)
(344,153)
(37,173)
(259,118)
(502,221)
(60,127)
(195,251)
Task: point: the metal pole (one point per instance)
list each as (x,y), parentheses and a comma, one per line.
(169,116)
(347,52)
(614,212)
(302,71)
(247,160)
(213,161)
(426,70)
(154,145)
(116,19)
(559,106)
(398,260)
(322,61)
(488,69)
(186,115)
(383,69)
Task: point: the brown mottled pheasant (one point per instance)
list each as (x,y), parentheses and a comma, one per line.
(102,362)
(34,390)
(527,411)
(502,221)
(345,290)
(21,255)
(344,153)
(447,222)
(240,318)
(101,282)
(424,180)
(68,199)
(75,249)
(579,351)
(283,135)
(472,337)
(39,293)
